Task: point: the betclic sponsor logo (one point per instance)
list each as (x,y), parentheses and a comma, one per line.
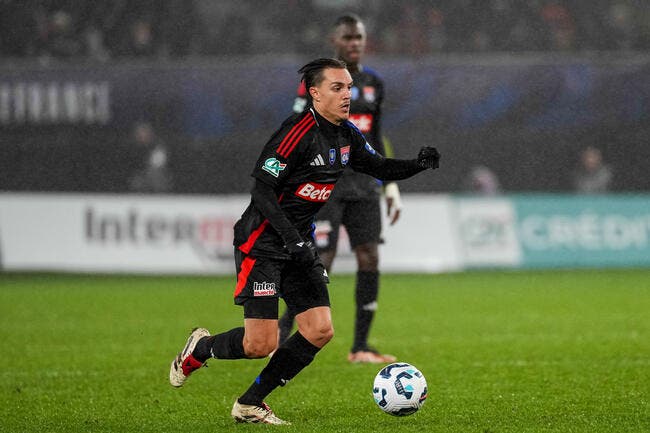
(316,192)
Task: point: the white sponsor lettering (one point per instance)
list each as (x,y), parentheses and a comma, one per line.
(316,192)
(264,289)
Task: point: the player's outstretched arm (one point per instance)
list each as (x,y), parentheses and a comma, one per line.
(397,169)
(266,201)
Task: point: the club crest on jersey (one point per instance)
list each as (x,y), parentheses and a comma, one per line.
(273,166)
(332,156)
(345,155)
(369,93)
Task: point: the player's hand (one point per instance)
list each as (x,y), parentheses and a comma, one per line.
(393,202)
(428,157)
(303,252)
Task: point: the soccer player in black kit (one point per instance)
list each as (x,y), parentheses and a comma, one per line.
(355,203)
(274,251)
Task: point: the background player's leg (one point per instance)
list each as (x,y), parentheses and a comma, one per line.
(366,291)
(327,257)
(363,222)
(285,326)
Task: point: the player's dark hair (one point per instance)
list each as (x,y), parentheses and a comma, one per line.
(347,19)
(312,72)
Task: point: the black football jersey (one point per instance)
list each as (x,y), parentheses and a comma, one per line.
(302,161)
(365,114)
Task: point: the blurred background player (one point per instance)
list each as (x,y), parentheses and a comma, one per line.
(592,176)
(355,200)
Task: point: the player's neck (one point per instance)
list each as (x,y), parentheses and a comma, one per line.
(354,67)
(327,117)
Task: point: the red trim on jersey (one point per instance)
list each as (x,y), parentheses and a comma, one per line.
(297,140)
(295,134)
(248,245)
(291,134)
(246,268)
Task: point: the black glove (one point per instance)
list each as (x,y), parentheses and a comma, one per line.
(303,252)
(428,157)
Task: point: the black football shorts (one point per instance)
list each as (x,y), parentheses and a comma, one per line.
(361,218)
(262,281)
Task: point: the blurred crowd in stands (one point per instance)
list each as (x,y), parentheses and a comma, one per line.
(110,29)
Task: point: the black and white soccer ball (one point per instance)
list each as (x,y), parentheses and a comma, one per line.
(400,389)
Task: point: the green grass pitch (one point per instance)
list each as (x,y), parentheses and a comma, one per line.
(543,351)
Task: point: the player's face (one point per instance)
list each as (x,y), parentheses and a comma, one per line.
(332,96)
(349,42)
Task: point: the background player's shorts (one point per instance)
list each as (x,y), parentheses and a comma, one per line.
(361,218)
(261,281)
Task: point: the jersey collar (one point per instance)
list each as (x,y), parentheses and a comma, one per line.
(325,125)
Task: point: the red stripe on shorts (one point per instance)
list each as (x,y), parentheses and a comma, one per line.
(242,277)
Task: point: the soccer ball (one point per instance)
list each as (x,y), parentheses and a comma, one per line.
(400,389)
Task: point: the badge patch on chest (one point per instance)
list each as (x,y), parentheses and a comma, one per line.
(332,156)
(345,155)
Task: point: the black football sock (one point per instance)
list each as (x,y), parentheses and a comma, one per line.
(366,292)
(290,358)
(227,345)
(286,324)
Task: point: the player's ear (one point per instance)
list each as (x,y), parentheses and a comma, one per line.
(315,94)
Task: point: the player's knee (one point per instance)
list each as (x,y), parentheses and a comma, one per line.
(259,347)
(367,257)
(321,334)
(323,337)
(324,333)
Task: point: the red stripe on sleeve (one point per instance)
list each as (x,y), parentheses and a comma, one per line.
(306,122)
(246,268)
(297,140)
(291,133)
